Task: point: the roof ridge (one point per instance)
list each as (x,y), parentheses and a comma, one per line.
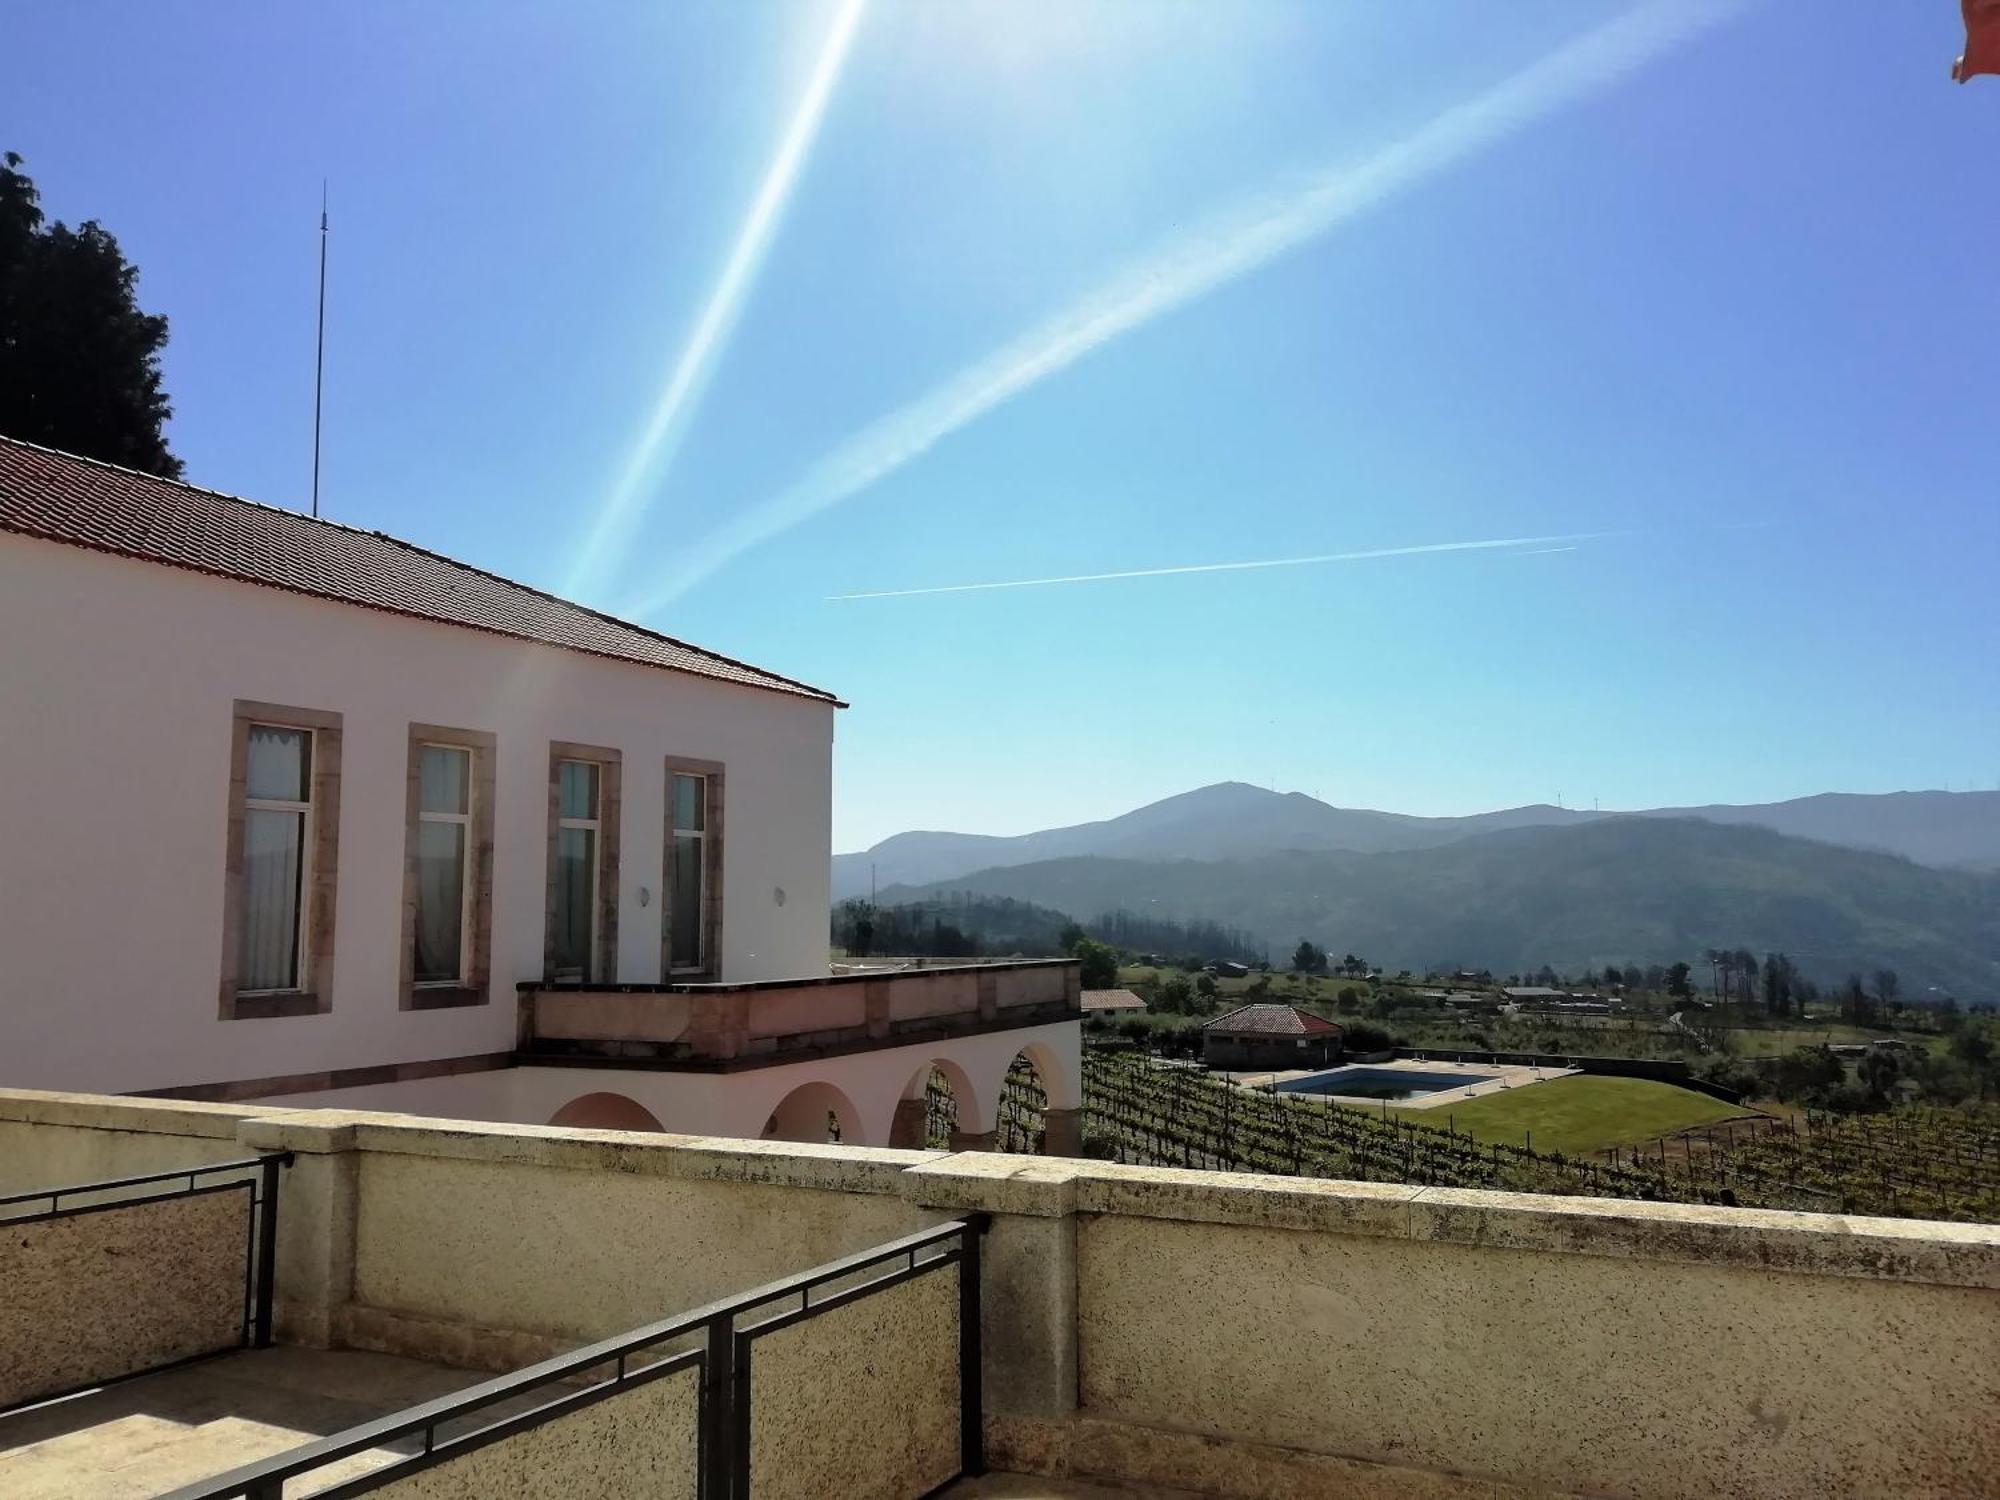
(429,552)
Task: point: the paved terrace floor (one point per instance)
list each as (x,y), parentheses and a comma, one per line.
(147,1436)
(1018,1487)
(153,1434)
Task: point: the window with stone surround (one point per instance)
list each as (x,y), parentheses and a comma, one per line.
(691,905)
(281,861)
(448,868)
(584,810)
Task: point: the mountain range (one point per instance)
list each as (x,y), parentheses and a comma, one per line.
(1840,882)
(1233,820)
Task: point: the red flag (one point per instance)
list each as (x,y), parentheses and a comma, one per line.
(1982,39)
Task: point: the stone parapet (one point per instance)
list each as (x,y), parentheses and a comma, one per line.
(1251,1335)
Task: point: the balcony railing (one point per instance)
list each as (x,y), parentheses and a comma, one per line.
(722,1025)
(704,1421)
(103,1281)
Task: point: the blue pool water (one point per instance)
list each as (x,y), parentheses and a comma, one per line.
(1381,1083)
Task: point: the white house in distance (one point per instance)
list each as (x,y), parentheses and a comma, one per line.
(297,812)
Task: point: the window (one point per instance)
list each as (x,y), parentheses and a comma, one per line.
(280,861)
(444,858)
(277,851)
(448,868)
(582,942)
(694,863)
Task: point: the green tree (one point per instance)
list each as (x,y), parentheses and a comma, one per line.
(1879,1069)
(1857,1006)
(1100,963)
(1679,981)
(1308,957)
(1778,975)
(1174,995)
(1204,986)
(79,361)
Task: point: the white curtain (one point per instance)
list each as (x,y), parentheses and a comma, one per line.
(440,901)
(273,849)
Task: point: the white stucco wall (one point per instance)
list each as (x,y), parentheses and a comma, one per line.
(117,685)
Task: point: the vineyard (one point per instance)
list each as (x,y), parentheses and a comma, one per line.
(1913,1162)
(1022,1100)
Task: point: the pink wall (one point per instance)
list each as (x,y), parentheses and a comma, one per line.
(117,683)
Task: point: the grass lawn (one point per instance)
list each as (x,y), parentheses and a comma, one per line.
(1581,1114)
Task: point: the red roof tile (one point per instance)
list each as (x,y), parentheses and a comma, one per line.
(1110,1000)
(1273,1020)
(63,498)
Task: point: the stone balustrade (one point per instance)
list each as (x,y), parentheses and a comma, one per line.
(793,1018)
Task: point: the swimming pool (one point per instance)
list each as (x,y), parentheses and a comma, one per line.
(1382,1083)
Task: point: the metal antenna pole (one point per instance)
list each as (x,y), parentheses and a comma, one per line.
(319,355)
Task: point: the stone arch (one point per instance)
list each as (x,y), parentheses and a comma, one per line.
(1023,1109)
(1061,1082)
(812,1112)
(606,1112)
(1041,1103)
(916,1127)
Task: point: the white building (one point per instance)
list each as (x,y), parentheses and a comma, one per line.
(291,809)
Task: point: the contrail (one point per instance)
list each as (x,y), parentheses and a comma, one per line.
(653,455)
(1226,248)
(1240,567)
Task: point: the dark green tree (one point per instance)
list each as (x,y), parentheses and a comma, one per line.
(1100,963)
(79,360)
(1309,957)
(1778,977)
(1678,981)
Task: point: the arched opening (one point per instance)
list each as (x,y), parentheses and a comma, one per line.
(815,1113)
(1024,1103)
(606,1112)
(938,1109)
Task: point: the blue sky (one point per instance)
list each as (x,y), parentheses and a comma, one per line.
(1725,306)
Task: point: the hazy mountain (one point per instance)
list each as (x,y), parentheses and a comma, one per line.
(1610,889)
(1235,820)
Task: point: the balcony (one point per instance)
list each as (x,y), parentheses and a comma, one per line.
(724,1027)
(734,1319)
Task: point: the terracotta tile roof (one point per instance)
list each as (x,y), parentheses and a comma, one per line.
(1111,1000)
(63,498)
(1273,1020)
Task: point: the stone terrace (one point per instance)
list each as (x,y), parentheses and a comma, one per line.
(1223,1334)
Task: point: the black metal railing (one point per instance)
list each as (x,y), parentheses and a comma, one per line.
(718,1346)
(255,1177)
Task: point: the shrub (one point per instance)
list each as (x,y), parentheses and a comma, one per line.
(1362,1036)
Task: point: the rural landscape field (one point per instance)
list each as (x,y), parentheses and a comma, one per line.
(1847,1061)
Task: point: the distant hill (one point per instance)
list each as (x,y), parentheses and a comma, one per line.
(1633,889)
(1233,820)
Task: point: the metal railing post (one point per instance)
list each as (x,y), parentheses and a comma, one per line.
(267,1247)
(718,1417)
(971,1384)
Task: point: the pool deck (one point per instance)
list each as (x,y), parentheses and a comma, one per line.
(1494,1077)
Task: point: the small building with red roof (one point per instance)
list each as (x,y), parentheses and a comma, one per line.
(1270,1037)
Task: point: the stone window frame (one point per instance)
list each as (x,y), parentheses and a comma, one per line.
(610,810)
(475,987)
(714,775)
(315,995)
